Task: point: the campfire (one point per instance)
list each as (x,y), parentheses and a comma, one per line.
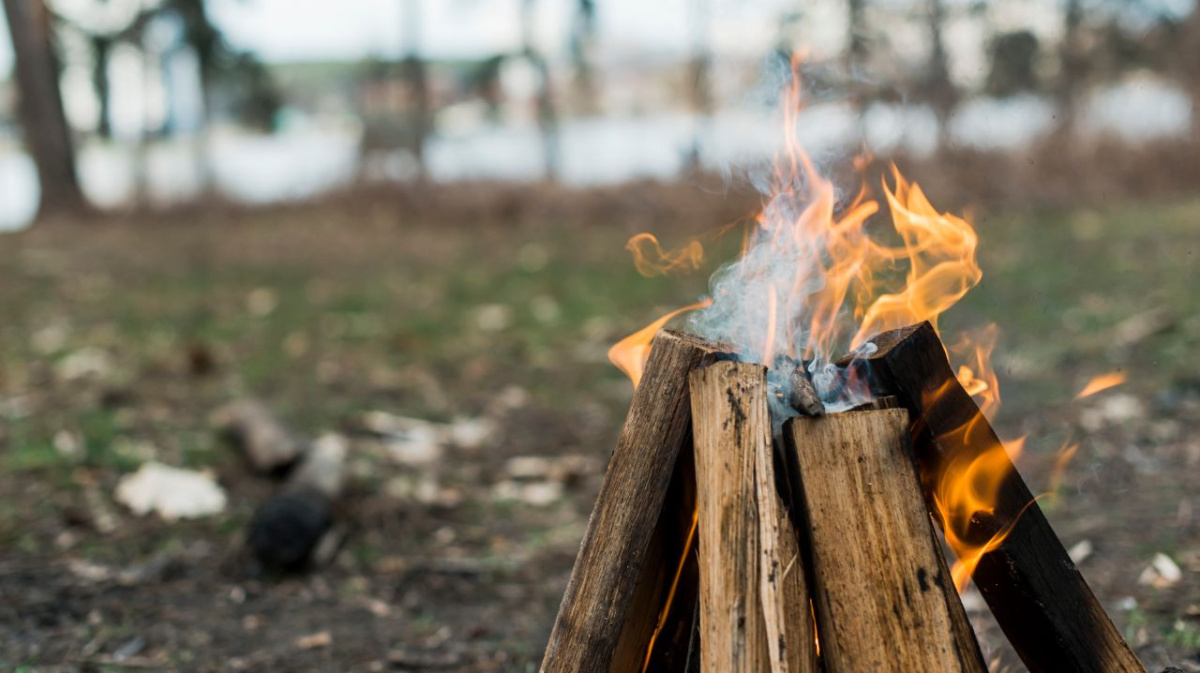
(776,494)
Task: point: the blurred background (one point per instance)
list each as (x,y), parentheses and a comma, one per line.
(396,229)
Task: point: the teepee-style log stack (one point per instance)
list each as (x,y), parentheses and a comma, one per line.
(714,548)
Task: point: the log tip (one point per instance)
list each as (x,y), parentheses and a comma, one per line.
(885,342)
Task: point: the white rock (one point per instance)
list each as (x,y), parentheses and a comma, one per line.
(528,467)
(417,449)
(493,317)
(84,362)
(470,433)
(1167,568)
(172,492)
(1161,573)
(1080,551)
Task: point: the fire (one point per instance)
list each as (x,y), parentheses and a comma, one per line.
(816,275)
(650,259)
(1066,453)
(630,354)
(978,377)
(1100,384)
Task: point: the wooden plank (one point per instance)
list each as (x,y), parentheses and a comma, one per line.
(754,607)
(730,420)
(885,600)
(597,601)
(1036,593)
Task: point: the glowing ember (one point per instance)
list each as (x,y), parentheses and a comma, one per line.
(1100,384)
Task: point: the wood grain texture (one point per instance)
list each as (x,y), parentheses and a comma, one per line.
(596,604)
(884,597)
(783,586)
(1036,593)
(731,426)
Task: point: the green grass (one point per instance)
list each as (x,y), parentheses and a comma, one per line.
(390,316)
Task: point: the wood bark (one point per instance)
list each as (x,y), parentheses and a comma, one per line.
(1036,593)
(598,599)
(885,600)
(668,591)
(40,108)
(752,590)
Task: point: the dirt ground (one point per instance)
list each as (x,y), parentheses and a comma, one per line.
(488,319)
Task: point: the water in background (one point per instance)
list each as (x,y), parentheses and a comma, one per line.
(316,157)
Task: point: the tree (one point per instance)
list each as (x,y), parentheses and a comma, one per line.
(1012,60)
(415,74)
(43,119)
(939,89)
(547,119)
(583,36)
(855,56)
(700,78)
(1073,67)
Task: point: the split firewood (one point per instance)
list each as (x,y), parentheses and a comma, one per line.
(886,601)
(668,589)
(803,396)
(289,527)
(614,562)
(1036,593)
(885,402)
(752,590)
(251,427)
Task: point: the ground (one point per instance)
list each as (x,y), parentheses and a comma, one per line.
(120,337)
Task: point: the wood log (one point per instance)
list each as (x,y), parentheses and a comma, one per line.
(730,417)
(885,600)
(752,592)
(598,598)
(287,529)
(667,590)
(1036,593)
(250,426)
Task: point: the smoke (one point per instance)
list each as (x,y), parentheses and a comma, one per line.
(782,302)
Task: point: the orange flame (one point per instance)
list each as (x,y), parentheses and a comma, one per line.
(651,259)
(811,280)
(967,489)
(1065,454)
(1100,384)
(630,354)
(978,377)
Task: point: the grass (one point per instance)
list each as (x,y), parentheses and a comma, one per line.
(415,310)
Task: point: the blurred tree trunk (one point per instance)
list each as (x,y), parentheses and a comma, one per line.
(856,57)
(101,49)
(700,78)
(940,91)
(1188,65)
(583,38)
(547,119)
(1072,68)
(416,75)
(47,135)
